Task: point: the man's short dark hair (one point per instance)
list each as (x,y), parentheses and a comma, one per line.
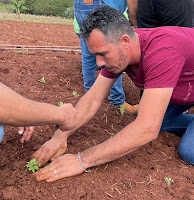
(111,22)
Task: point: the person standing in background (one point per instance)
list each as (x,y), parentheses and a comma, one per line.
(82,9)
(155,13)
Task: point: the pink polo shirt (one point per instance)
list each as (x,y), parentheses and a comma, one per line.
(167,60)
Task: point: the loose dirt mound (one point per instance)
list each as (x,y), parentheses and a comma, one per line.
(138,176)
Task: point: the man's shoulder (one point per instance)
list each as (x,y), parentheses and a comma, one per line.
(164,36)
(169,30)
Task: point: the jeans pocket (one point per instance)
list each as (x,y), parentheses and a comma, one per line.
(81,7)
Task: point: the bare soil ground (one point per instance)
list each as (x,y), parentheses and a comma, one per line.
(138,176)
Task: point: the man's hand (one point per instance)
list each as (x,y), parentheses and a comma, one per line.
(70,121)
(64,166)
(26,133)
(52,149)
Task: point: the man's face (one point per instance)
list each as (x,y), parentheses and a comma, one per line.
(108,55)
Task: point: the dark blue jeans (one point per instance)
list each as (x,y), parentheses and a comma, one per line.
(117,95)
(178,122)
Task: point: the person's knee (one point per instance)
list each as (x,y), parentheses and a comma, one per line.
(186,152)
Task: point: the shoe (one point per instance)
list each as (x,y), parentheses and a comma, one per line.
(129,108)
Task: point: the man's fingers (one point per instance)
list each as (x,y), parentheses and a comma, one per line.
(20,130)
(44,154)
(29,133)
(50,173)
(64,166)
(26,133)
(55,178)
(44,173)
(36,156)
(41,157)
(60,152)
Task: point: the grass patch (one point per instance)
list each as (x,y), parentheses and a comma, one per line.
(36,18)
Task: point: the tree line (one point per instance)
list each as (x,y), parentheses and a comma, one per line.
(61,8)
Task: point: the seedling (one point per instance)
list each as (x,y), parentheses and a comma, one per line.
(60,103)
(168,180)
(42,80)
(122,109)
(75,93)
(32,165)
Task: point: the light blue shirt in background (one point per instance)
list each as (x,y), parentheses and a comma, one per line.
(117,4)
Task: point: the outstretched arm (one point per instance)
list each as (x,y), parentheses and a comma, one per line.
(17,110)
(144,129)
(87,107)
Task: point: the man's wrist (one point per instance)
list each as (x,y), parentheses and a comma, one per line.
(60,117)
(82,164)
(58,134)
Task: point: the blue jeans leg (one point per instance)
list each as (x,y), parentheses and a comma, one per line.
(186,146)
(176,121)
(1,132)
(88,65)
(117,95)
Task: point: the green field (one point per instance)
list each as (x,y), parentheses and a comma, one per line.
(36,18)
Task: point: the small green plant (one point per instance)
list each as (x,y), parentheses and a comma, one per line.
(168,180)
(42,80)
(122,109)
(60,103)
(75,93)
(32,165)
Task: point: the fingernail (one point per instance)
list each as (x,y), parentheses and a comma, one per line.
(20,132)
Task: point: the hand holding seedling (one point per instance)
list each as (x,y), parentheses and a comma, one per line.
(64,166)
(59,145)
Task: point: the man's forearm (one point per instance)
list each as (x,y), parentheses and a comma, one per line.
(86,109)
(127,140)
(18,111)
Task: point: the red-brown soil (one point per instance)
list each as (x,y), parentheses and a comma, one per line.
(138,176)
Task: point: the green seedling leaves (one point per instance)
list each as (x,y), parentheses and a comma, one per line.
(32,165)
(75,93)
(168,180)
(60,103)
(42,80)
(122,109)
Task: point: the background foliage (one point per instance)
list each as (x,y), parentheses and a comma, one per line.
(60,8)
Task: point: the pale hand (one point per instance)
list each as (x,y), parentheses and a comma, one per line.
(26,133)
(64,166)
(52,149)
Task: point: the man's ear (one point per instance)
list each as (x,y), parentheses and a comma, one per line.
(125,41)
